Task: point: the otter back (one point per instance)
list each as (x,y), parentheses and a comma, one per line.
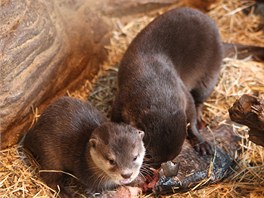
(167,72)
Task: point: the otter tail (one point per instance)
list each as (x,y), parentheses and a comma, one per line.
(242,51)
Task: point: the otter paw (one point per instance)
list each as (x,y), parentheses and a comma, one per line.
(204,148)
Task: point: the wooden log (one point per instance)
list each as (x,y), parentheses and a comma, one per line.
(203,5)
(46,48)
(249,110)
(120,8)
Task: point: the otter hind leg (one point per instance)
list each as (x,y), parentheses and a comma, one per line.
(201,93)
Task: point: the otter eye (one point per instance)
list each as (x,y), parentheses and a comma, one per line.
(135,158)
(112,162)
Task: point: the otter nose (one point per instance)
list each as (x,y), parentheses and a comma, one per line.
(126,175)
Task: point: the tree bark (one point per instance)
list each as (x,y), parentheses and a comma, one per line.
(46,48)
(249,110)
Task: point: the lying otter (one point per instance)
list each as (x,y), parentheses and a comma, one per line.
(72,136)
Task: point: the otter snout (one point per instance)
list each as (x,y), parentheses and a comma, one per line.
(126,175)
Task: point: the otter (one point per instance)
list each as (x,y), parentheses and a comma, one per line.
(168,71)
(72,136)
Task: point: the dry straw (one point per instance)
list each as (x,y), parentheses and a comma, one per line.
(19,179)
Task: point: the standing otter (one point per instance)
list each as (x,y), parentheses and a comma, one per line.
(166,74)
(72,136)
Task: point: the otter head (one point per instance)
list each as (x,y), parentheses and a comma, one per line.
(118,151)
(164,136)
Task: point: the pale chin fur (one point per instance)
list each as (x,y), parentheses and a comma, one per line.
(139,162)
(116,178)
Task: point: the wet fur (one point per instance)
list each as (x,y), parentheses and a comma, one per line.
(167,72)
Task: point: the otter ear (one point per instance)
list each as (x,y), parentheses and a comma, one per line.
(93,142)
(141,134)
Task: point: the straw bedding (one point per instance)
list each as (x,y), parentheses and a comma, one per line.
(18,177)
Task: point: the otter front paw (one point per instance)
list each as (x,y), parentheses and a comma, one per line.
(204,148)
(201,146)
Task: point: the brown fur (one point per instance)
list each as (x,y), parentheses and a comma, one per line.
(72,136)
(167,72)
